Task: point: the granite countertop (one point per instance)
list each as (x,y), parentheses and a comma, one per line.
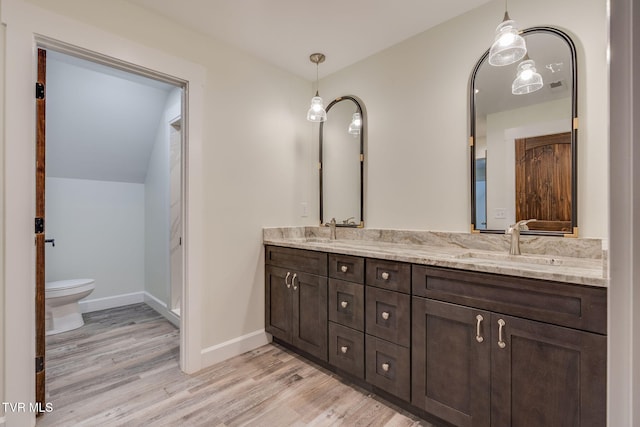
(578,261)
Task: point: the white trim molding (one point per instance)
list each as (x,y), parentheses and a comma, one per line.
(234,347)
(161,307)
(96,304)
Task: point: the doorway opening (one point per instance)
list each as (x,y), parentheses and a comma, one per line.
(114,183)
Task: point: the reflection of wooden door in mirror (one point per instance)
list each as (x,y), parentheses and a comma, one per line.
(543,181)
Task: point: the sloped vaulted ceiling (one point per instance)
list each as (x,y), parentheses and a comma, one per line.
(101,122)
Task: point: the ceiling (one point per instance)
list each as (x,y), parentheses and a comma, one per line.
(101,122)
(286,32)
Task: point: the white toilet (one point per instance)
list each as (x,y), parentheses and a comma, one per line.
(61,304)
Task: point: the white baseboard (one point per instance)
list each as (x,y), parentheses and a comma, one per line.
(234,347)
(161,308)
(87,306)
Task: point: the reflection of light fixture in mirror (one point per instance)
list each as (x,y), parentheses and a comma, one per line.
(356,124)
(508,46)
(528,79)
(317,113)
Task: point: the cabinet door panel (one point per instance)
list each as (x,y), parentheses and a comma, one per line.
(388,315)
(451,376)
(388,367)
(297,259)
(346,349)
(546,375)
(390,275)
(346,267)
(310,314)
(346,303)
(277,303)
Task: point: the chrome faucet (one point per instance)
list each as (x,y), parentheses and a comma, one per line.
(514,230)
(332,224)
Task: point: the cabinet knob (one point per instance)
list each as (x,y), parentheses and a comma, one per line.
(385,315)
(344,304)
(385,275)
(386,367)
(344,349)
(293,281)
(344,268)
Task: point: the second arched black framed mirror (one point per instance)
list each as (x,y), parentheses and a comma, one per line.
(524,139)
(341,163)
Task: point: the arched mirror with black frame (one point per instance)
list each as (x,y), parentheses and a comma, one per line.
(342,163)
(524,146)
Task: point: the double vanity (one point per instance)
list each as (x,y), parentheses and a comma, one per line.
(448,325)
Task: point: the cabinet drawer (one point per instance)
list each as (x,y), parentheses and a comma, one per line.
(346,303)
(346,349)
(388,367)
(391,275)
(563,304)
(346,267)
(388,315)
(297,259)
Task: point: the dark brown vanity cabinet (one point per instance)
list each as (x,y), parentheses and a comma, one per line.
(296,298)
(478,365)
(471,348)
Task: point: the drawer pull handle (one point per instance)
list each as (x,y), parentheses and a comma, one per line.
(386,367)
(344,304)
(344,349)
(479,337)
(385,315)
(344,268)
(501,343)
(293,281)
(385,275)
(286,280)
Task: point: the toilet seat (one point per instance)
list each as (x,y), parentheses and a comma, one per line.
(61,288)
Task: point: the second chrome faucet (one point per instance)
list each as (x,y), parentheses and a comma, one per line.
(514,230)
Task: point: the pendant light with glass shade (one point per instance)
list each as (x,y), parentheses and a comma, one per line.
(528,79)
(317,112)
(356,124)
(508,46)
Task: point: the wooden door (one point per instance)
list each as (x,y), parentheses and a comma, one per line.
(278,311)
(451,362)
(39,231)
(543,181)
(310,323)
(546,375)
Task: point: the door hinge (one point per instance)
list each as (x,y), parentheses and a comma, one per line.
(39,364)
(39,225)
(39,90)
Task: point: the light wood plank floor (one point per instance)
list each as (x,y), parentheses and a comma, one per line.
(121,369)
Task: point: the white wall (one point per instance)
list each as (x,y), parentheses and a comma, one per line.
(98,227)
(157,206)
(416,96)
